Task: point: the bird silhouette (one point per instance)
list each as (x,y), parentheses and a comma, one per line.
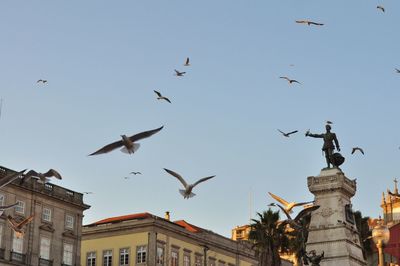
(290,80)
(397,70)
(136,173)
(288,205)
(296,222)
(308,22)
(187,192)
(381,8)
(44,177)
(19,227)
(357,149)
(160,97)
(187,63)
(288,134)
(127,143)
(179,74)
(43,81)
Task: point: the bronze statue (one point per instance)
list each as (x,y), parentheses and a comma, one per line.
(314,258)
(330,142)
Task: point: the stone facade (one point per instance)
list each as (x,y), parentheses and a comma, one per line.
(54,235)
(332,227)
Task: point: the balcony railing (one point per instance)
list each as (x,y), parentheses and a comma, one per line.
(15,256)
(44,262)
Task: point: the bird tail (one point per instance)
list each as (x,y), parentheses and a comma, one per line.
(183,193)
(133,150)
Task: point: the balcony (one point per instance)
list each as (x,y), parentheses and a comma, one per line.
(44,262)
(18,257)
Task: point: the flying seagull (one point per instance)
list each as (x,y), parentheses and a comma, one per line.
(41,81)
(44,177)
(381,8)
(287,134)
(136,173)
(3,208)
(187,63)
(160,97)
(308,22)
(397,70)
(296,222)
(179,74)
(18,227)
(4,181)
(290,80)
(357,149)
(329,122)
(187,192)
(127,143)
(288,205)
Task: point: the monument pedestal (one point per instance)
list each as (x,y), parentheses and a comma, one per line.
(332,229)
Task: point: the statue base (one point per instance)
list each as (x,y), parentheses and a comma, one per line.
(332,227)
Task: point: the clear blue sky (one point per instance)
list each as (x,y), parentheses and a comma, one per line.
(103,59)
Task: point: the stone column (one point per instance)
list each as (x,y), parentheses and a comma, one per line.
(332,228)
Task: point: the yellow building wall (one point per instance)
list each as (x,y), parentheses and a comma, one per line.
(113,243)
(131,241)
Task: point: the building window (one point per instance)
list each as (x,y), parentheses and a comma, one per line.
(69,221)
(18,244)
(45,248)
(107,258)
(2,200)
(124,256)
(46,214)
(211,261)
(20,207)
(174,258)
(91,259)
(198,260)
(141,254)
(186,259)
(160,256)
(67,254)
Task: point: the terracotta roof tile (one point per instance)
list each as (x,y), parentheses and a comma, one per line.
(117,219)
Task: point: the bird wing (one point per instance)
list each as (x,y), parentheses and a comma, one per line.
(10,178)
(283,133)
(8,206)
(24,222)
(302,203)
(293,80)
(284,211)
(305,211)
(301,21)
(284,202)
(397,70)
(165,98)
(187,61)
(12,221)
(177,72)
(144,134)
(288,79)
(180,178)
(158,94)
(315,23)
(108,148)
(202,180)
(54,173)
(295,131)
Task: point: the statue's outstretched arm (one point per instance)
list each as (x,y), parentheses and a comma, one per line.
(308,134)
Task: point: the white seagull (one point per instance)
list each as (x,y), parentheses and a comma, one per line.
(288,205)
(187,192)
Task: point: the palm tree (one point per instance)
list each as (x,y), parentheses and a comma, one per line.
(268,238)
(364,232)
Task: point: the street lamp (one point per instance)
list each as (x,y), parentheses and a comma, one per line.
(381,236)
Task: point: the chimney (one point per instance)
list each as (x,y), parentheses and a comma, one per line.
(167,216)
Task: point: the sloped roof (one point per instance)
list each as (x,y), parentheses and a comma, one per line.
(190,227)
(117,219)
